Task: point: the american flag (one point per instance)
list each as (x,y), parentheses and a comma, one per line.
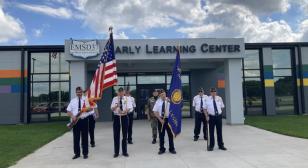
(106,73)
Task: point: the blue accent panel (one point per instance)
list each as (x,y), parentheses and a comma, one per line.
(15,88)
(305,74)
(268,75)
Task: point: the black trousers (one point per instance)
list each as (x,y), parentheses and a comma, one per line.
(116,133)
(162,136)
(130,126)
(81,128)
(91,129)
(215,121)
(200,118)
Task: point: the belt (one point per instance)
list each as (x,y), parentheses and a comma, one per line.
(198,111)
(215,115)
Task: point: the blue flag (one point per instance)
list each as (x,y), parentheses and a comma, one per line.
(175,95)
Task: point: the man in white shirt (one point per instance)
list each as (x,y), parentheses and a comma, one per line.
(214,106)
(80,105)
(120,108)
(161,111)
(198,103)
(93,116)
(131,100)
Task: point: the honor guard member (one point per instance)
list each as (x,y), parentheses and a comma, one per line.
(161,110)
(75,107)
(120,108)
(151,116)
(214,106)
(93,116)
(198,103)
(131,100)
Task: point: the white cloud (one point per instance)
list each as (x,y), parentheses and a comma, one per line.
(138,15)
(194,32)
(303,5)
(210,18)
(120,35)
(227,20)
(259,6)
(303,28)
(61,12)
(37,32)
(12,29)
(147,37)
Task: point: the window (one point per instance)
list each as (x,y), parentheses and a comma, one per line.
(284,81)
(141,84)
(49,86)
(252,87)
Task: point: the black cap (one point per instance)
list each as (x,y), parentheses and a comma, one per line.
(120,89)
(161,91)
(213,90)
(201,89)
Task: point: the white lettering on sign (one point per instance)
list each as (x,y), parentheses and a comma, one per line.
(84,49)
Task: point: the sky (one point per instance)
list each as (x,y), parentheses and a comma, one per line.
(43,22)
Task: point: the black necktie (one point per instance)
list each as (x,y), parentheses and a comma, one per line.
(121,106)
(163,109)
(201,104)
(79,104)
(215,106)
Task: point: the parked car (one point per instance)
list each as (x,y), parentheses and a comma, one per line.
(54,107)
(40,108)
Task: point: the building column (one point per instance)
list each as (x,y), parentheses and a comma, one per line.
(298,76)
(304,59)
(234,91)
(269,95)
(78,76)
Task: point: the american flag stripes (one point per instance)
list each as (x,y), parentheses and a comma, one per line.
(106,74)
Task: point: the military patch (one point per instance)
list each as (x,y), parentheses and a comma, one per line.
(176,96)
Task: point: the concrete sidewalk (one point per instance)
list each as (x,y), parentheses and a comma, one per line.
(248,147)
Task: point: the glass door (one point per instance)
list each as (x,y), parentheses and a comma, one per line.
(144,92)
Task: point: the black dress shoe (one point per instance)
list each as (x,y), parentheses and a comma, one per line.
(210,149)
(125,154)
(130,142)
(195,139)
(85,156)
(173,151)
(76,156)
(154,141)
(161,152)
(222,148)
(115,155)
(92,145)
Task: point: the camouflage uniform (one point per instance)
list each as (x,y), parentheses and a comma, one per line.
(151,116)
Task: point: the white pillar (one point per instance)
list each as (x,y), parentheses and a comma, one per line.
(234,91)
(78,75)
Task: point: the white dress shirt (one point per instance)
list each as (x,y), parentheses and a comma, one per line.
(158,107)
(73,106)
(131,100)
(197,102)
(125,104)
(209,105)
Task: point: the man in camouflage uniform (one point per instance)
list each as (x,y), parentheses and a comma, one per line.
(151,115)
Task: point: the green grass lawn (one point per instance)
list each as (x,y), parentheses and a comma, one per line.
(17,141)
(294,125)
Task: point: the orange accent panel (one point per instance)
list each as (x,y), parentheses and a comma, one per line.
(221,83)
(12,73)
